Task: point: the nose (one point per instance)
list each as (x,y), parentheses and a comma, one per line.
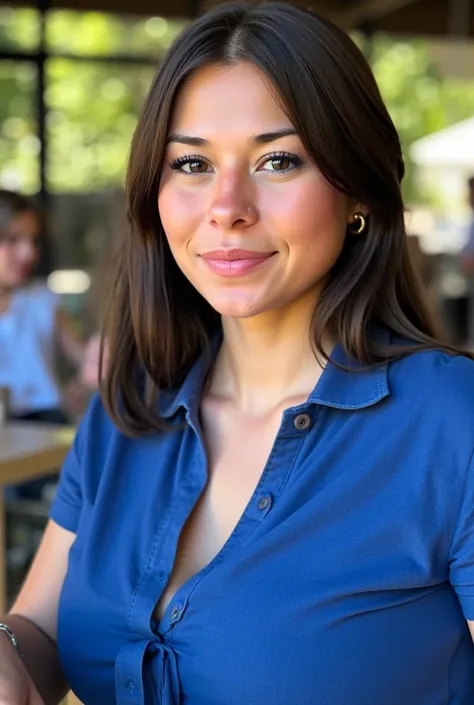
(232,207)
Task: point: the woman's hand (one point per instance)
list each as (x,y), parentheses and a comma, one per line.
(89,372)
(69,340)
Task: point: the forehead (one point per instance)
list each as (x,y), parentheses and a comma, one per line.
(228,99)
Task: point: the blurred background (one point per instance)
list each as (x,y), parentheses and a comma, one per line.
(73,74)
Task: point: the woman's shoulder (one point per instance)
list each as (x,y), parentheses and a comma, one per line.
(436,377)
(96,429)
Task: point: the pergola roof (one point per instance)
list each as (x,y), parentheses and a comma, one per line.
(410,17)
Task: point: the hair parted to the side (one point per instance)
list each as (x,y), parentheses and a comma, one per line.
(157,322)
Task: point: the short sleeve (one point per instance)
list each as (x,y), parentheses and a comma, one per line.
(67,503)
(462,550)
(40,292)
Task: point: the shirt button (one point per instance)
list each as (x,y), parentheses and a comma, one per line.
(131,686)
(176,611)
(302,422)
(264,503)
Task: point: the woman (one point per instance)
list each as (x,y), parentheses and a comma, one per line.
(31,321)
(252,522)
(32,324)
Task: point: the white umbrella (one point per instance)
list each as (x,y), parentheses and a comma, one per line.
(451,147)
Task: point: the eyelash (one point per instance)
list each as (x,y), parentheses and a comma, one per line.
(295,161)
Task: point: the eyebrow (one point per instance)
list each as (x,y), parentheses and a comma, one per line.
(264,138)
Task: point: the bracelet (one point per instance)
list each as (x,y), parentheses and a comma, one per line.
(13,639)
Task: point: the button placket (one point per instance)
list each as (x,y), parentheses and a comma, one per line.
(128,673)
(177,612)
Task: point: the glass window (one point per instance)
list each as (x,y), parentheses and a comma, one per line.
(19,144)
(98,34)
(93,110)
(19,29)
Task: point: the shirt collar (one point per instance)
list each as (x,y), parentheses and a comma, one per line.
(352,388)
(188,395)
(356,387)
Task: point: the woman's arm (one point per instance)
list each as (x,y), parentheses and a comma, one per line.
(69,341)
(33,617)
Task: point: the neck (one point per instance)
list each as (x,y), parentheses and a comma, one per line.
(267,359)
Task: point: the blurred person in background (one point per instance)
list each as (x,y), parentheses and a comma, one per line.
(32,324)
(467,264)
(84,384)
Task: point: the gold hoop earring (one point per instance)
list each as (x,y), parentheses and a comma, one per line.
(358,225)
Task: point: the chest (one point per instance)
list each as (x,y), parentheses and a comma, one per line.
(237,452)
(343,555)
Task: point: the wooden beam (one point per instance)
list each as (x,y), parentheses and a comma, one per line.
(407,17)
(367,12)
(426,18)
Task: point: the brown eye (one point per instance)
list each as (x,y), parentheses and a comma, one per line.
(190,165)
(280,163)
(196,167)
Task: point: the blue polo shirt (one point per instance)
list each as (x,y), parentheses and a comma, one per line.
(347,581)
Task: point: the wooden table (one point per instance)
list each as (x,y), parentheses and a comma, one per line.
(27,451)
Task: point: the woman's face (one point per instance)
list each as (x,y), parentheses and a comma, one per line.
(19,249)
(249,219)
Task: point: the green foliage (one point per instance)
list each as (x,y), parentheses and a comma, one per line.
(418,99)
(92,33)
(19,29)
(92,116)
(93,106)
(19,145)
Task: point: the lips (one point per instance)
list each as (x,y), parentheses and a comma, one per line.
(233,263)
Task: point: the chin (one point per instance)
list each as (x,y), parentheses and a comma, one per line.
(238,309)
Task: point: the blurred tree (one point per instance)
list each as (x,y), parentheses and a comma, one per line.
(19,145)
(19,31)
(93,109)
(93,106)
(418,99)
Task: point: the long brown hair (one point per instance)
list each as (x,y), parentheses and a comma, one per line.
(157,322)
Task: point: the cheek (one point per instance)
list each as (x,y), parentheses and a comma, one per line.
(312,217)
(181,212)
